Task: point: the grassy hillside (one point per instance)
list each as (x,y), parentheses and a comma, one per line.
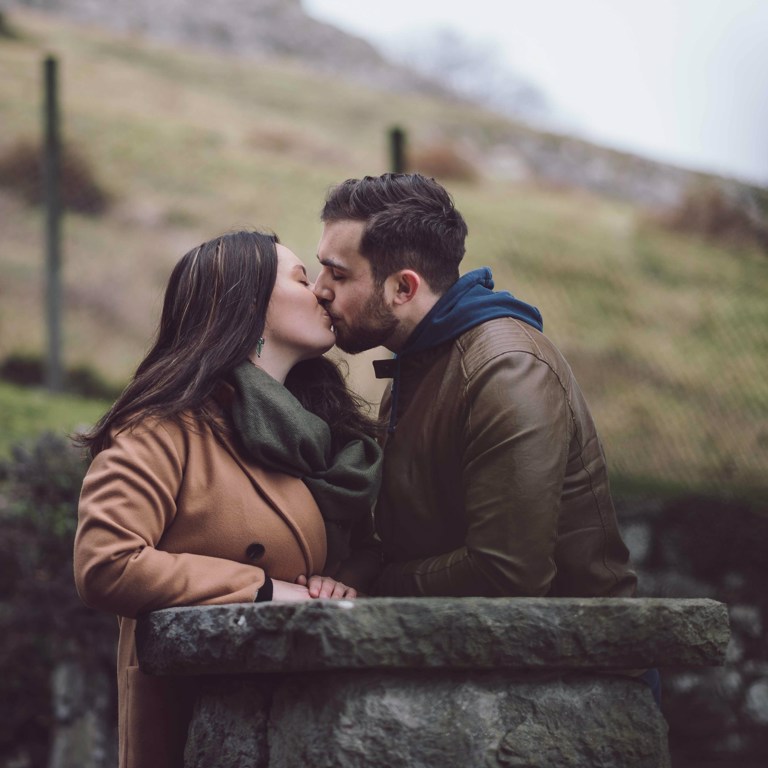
(668,335)
(27,412)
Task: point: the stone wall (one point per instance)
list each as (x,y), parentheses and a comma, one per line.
(703,547)
(535,682)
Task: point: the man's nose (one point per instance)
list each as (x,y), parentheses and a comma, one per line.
(322,289)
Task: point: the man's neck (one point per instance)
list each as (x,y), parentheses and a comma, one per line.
(417,311)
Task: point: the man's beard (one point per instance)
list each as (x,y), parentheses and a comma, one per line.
(375,325)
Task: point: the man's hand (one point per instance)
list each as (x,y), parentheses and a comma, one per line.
(326,587)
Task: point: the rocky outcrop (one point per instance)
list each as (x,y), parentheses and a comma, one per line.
(255,28)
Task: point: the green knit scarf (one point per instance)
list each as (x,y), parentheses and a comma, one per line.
(277,432)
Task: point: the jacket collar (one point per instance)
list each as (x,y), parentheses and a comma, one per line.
(469,302)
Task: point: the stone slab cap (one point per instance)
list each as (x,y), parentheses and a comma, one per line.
(434,633)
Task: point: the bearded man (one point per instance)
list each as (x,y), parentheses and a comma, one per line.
(494,479)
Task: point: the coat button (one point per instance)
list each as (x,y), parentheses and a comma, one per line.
(255,551)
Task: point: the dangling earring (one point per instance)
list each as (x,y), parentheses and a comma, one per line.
(259,346)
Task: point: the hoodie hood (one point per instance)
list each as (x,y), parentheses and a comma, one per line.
(470,301)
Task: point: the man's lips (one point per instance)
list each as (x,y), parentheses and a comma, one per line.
(332,320)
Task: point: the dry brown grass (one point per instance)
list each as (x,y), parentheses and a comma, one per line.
(290,141)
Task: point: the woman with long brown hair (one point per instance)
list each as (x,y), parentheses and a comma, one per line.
(236,466)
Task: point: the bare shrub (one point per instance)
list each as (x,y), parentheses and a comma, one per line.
(443,160)
(21,171)
(708,211)
(7,31)
(27,369)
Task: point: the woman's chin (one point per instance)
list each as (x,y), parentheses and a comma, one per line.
(322,349)
(331,340)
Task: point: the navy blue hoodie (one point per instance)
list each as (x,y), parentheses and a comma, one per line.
(470,301)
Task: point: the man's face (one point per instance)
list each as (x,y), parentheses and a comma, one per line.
(345,287)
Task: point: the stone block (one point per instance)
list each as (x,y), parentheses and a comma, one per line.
(229,725)
(469,633)
(433,720)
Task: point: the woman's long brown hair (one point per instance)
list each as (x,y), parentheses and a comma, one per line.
(214,310)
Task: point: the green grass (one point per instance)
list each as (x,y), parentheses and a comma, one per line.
(667,334)
(26,412)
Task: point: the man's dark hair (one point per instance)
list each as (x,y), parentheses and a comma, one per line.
(410,223)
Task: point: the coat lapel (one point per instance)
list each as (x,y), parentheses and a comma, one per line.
(283,495)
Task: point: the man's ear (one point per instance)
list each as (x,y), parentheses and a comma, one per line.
(405,285)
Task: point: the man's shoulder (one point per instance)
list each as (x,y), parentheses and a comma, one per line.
(502,336)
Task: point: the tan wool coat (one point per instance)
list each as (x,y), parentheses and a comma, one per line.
(171,516)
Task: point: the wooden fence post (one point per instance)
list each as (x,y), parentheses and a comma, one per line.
(397,150)
(51,173)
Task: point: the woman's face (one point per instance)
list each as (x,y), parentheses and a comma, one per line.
(296,323)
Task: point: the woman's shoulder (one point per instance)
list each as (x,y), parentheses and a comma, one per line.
(177,432)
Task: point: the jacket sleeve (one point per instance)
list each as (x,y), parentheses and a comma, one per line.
(517,429)
(128,501)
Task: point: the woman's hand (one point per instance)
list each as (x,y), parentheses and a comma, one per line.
(284,590)
(325,586)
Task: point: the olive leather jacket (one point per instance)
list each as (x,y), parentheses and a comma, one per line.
(495,480)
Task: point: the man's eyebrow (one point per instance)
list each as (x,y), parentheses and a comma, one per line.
(333,264)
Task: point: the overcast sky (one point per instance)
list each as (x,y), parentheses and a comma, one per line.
(685,81)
